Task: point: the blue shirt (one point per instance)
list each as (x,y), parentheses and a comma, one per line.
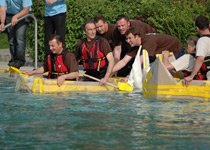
(56,8)
(15,6)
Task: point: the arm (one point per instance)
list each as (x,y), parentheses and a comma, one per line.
(71,75)
(168,65)
(116,53)
(2,16)
(110,58)
(37,71)
(197,66)
(22,13)
(121,63)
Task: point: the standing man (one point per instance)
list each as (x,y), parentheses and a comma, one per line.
(154,43)
(94,51)
(54,21)
(104,29)
(60,63)
(121,46)
(10,12)
(202,63)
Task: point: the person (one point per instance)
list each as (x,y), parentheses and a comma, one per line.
(60,63)
(94,51)
(104,29)
(121,46)
(184,63)
(154,43)
(10,12)
(54,21)
(202,65)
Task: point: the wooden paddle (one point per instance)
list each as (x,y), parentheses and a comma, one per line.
(121,86)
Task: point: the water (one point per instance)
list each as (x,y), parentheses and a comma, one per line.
(108,120)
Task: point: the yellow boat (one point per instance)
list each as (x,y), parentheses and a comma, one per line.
(32,84)
(159,83)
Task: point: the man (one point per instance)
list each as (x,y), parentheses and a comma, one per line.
(104,29)
(94,51)
(54,21)
(60,63)
(184,63)
(154,43)
(121,46)
(10,12)
(202,65)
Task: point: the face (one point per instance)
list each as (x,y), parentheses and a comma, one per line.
(101,27)
(123,25)
(190,49)
(90,31)
(133,40)
(56,48)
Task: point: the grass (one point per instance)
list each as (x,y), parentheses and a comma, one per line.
(4,44)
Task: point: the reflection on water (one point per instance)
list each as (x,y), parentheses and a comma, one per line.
(106,120)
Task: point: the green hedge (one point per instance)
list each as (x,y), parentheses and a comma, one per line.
(171,17)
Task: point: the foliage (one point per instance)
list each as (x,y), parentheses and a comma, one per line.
(4,41)
(171,17)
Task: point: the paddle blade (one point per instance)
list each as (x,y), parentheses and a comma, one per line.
(14,70)
(124,86)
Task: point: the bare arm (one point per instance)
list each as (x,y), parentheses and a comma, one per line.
(37,71)
(168,65)
(72,75)
(116,53)
(121,63)
(197,66)
(22,13)
(110,58)
(2,17)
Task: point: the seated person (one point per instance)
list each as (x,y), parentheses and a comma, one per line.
(202,63)
(60,63)
(184,63)
(95,51)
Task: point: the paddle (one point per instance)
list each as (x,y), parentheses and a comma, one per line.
(120,86)
(14,70)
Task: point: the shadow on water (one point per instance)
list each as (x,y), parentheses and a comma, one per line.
(105,120)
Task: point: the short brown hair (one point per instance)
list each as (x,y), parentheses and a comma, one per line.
(58,39)
(133,31)
(119,17)
(87,22)
(202,22)
(99,17)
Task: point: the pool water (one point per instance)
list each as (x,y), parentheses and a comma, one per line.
(106,120)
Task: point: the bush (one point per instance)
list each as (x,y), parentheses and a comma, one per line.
(171,17)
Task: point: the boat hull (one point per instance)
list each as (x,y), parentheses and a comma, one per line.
(31,84)
(159,83)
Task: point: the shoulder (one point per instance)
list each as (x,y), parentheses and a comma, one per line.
(69,54)
(111,26)
(79,42)
(204,40)
(103,40)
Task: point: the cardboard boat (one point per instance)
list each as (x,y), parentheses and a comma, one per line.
(159,83)
(32,84)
